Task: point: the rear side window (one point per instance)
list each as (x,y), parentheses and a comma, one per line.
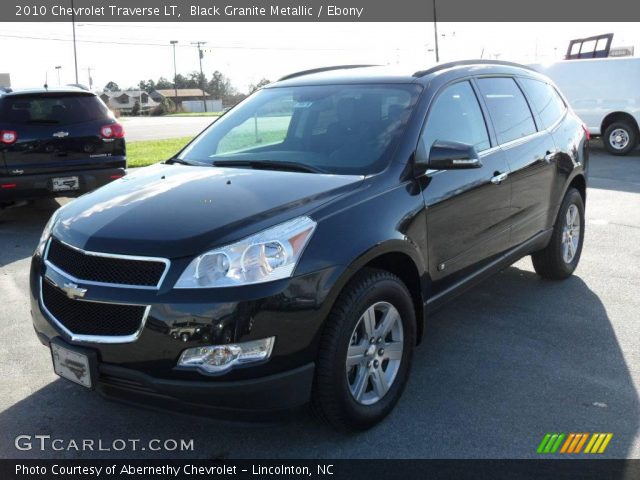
(456,117)
(508,108)
(52,109)
(545,100)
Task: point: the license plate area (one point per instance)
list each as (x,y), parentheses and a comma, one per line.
(78,366)
(64,184)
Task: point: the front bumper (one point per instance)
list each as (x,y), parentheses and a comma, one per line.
(144,371)
(34,186)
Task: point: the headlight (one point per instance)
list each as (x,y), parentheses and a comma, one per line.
(220,358)
(46,233)
(266,256)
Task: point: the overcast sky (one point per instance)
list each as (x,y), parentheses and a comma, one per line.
(247,52)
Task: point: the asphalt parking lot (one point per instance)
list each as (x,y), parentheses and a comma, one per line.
(507,362)
(155,128)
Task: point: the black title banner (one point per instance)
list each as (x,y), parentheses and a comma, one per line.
(319,469)
(316,10)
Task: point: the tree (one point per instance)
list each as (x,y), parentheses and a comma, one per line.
(259,85)
(163,83)
(219,86)
(148,86)
(111,87)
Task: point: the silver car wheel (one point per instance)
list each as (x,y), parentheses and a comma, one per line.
(375,353)
(571,234)
(619,139)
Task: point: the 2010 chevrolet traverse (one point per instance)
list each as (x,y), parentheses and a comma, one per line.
(293,250)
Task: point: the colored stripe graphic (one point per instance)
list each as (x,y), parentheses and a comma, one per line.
(574,442)
(551,442)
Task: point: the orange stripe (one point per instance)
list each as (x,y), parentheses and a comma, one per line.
(584,439)
(567,442)
(605,443)
(575,442)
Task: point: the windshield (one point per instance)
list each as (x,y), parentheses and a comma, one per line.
(340,129)
(54,109)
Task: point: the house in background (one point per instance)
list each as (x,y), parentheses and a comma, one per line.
(188,99)
(125,101)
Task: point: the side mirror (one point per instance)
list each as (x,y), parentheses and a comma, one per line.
(446,156)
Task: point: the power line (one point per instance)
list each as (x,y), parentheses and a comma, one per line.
(146,44)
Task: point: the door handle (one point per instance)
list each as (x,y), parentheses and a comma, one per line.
(498,178)
(550,156)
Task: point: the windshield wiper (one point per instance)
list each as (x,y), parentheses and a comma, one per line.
(177,160)
(269,165)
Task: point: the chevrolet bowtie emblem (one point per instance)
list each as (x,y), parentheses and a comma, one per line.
(73,291)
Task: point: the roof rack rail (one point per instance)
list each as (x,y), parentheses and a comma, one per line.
(442,66)
(322,69)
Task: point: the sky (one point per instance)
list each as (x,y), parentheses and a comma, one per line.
(247,52)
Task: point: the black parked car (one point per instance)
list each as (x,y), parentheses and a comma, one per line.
(310,232)
(53,142)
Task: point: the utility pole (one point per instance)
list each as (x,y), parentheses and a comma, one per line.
(175,75)
(75,53)
(58,67)
(90,79)
(435,30)
(200,55)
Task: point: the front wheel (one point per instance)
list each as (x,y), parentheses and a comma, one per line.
(561,256)
(366,351)
(620,138)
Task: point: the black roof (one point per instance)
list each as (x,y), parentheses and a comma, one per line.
(44,91)
(396,74)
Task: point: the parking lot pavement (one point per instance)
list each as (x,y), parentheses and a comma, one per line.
(507,362)
(155,128)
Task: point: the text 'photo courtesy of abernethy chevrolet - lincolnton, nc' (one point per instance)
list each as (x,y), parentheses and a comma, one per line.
(289,254)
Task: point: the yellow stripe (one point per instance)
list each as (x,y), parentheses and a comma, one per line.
(567,442)
(596,445)
(575,442)
(591,442)
(605,443)
(584,439)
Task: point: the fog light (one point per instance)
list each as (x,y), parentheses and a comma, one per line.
(220,358)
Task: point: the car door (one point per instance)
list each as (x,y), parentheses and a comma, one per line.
(530,153)
(467,210)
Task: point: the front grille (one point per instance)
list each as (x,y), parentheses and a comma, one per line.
(92,318)
(105,269)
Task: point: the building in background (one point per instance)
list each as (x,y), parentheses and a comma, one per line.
(129,102)
(188,99)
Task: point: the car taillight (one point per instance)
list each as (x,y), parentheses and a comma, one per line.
(8,136)
(586,131)
(115,130)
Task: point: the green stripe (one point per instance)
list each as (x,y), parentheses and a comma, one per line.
(543,443)
(550,443)
(558,442)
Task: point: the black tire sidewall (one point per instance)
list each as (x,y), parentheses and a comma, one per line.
(631,131)
(388,289)
(572,197)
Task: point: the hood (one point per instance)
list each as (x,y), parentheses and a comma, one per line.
(174,211)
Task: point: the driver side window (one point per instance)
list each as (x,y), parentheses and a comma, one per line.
(456,117)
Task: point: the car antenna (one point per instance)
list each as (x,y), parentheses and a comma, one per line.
(46,80)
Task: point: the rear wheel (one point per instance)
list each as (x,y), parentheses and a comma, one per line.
(561,256)
(366,351)
(620,138)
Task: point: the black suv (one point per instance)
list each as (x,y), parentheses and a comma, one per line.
(293,250)
(62,141)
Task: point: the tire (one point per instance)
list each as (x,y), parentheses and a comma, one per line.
(332,399)
(551,262)
(625,133)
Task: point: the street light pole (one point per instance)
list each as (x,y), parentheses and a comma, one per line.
(200,55)
(75,53)
(175,75)
(58,67)
(435,30)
